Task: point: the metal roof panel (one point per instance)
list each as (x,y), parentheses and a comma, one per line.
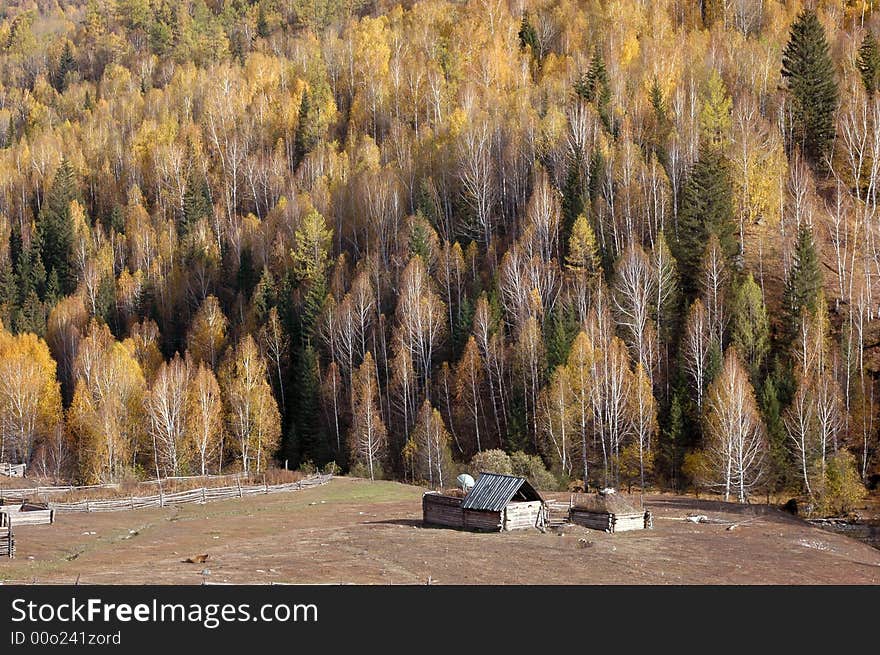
(494,490)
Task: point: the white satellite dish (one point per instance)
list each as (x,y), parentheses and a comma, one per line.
(465,481)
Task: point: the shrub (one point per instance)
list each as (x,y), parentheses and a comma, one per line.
(696,469)
(491,461)
(361,470)
(842,489)
(532,468)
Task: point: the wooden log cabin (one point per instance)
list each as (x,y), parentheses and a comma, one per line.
(496,503)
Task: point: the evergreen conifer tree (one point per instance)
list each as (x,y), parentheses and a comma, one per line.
(56,228)
(706,208)
(594,87)
(804,280)
(66,64)
(750,331)
(869,63)
(573,193)
(263,30)
(304,139)
(309,441)
(809,71)
(196,203)
(527,35)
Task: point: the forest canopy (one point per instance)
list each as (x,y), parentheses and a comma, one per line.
(625,242)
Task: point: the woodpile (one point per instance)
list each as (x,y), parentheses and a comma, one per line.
(12,470)
(7,542)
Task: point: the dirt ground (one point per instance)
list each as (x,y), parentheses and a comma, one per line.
(354,531)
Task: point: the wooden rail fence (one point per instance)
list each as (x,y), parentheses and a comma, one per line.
(12,470)
(200,495)
(63,489)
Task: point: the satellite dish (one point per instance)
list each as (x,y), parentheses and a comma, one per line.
(465,481)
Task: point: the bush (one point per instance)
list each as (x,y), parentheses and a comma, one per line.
(696,469)
(361,470)
(532,468)
(842,490)
(491,461)
(331,468)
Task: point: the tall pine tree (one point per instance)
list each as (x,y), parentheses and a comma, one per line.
(594,87)
(55,227)
(809,71)
(804,281)
(706,208)
(869,63)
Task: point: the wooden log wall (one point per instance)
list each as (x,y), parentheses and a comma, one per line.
(608,522)
(520,516)
(594,520)
(13,515)
(442,510)
(627,522)
(483,521)
(7,542)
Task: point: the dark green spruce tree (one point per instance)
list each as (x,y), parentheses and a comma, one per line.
(594,87)
(779,460)
(803,284)
(809,72)
(263,29)
(869,63)
(527,35)
(706,208)
(55,227)
(308,439)
(574,195)
(196,202)
(305,138)
(66,65)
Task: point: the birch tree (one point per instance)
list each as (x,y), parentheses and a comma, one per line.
(736,442)
(368,435)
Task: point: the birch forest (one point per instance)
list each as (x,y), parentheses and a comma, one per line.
(599,243)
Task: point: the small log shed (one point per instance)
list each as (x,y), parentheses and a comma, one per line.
(496,503)
(25,513)
(608,512)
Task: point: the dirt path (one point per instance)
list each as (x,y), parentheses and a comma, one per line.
(361,532)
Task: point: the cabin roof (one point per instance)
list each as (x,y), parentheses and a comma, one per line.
(493,491)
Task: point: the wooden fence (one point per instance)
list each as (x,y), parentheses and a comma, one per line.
(12,470)
(201,495)
(63,489)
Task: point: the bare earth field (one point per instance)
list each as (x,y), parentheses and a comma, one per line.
(354,531)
